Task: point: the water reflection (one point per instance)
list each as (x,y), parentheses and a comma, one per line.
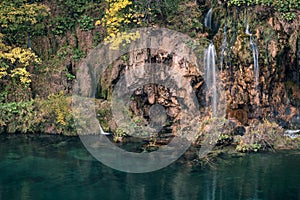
(60,168)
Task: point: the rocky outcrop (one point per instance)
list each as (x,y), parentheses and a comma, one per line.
(273,98)
(277,43)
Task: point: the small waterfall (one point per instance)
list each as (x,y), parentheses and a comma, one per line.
(102,132)
(224,46)
(210,70)
(247,29)
(207,19)
(255,58)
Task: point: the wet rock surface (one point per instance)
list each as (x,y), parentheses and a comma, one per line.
(248,102)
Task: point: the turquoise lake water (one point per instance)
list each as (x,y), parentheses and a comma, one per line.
(55,167)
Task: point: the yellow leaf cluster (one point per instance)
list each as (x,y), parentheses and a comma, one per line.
(18,15)
(60,119)
(22,74)
(60,105)
(97,23)
(120,38)
(115,17)
(2,72)
(21,56)
(23,14)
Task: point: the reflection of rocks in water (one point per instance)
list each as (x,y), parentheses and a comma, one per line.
(13,156)
(60,144)
(151,148)
(81,154)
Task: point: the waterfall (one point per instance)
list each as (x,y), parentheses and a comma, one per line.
(255,57)
(247,29)
(255,60)
(207,19)
(224,46)
(210,70)
(102,132)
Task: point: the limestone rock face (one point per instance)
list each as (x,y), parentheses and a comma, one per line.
(269,99)
(248,100)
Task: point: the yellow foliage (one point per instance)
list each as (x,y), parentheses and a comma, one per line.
(24,14)
(118,39)
(115,18)
(2,72)
(61,107)
(23,75)
(22,56)
(60,118)
(18,16)
(97,23)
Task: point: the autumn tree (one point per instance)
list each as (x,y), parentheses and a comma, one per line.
(120,15)
(17,19)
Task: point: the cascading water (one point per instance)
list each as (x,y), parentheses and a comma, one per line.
(247,29)
(207,19)
(102,132)
(255,58)
(210,75)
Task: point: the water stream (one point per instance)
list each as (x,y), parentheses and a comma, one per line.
(255,62)
(247,29)
(210,74)
(255,57)
(207,19)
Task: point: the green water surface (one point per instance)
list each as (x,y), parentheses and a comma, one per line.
(55,167)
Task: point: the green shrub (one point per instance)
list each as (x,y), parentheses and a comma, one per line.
(53,115)
(249,147)
(78,54)
(86,23)
(287,8)
(56,111)
(18,117)
(260,137)
(61,24)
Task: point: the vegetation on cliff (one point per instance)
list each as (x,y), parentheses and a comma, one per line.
(42,43)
